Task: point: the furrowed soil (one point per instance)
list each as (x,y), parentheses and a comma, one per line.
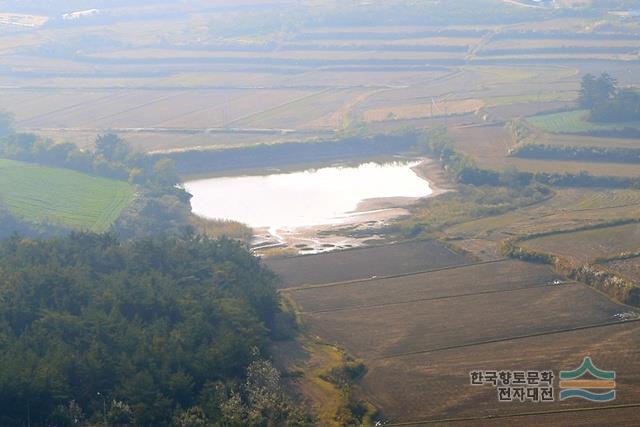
(421,334)
(395,326)
(436,386)
(364,263)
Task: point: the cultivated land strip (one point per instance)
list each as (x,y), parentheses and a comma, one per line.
(490,418)
(526,286)
(498,340)
(395,276)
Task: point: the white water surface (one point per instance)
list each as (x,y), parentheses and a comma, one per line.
(313,197)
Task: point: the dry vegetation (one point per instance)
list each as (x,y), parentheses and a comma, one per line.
(590,244)
(627,267)
(221,228)
(568,209)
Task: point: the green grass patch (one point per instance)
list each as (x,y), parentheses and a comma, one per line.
(62,197)
(574,122)
(531,98)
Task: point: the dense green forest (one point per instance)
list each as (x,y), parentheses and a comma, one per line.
(163,331)
(9,225)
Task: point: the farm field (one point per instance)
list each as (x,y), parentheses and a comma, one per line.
(326,110)
(558,166)
(142,108)
(567,96)
(489,146)
(590,244)
(393,329)
(567,43)
(364,263)
(327,55)
(567,209)
(451,282)
(404,384)
(167,92)
(421,334)
(175,119)
(62,197)
(168,140)
(587,141)
(574,122)
(177,112)
(416,111)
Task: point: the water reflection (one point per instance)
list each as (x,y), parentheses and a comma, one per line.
(311,197)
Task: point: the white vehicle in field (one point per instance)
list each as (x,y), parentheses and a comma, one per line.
(629,315)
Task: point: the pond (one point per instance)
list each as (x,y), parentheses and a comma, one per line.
(321,196)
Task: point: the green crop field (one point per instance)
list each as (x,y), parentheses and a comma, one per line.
(573,122)
(531,98)
(63,197)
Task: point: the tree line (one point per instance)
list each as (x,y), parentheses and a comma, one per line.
(577,153)
(112,158)
(607,101)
